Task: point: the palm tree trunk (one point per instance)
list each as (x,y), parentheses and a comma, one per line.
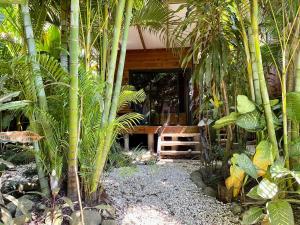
(112,63)
(73,114)
(39,88)
(64,18)
(104,45)
(101,158)
(262,81)
(32,53)
(254,62)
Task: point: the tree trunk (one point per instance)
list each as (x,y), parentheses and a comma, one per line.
(112,63)
(262,81)
(39,90)
(104,45)
(102,154)
(73,120)
(64,21)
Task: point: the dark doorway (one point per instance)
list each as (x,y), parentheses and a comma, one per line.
(167,98)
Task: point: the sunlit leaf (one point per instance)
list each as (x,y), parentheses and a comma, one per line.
(263,157)
(267,189)
(280,213)
(226,120)
(244,105)
(235,180)
(253,193)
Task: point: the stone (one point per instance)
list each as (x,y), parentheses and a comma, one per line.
(109,222)
(209,191)
(91,217)
(21,220)
(11,207)
(24,203)
(196,177)
(236,209)
(40,206)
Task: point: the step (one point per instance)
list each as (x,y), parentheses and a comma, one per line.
(176,143)
(180,135)
(169,152)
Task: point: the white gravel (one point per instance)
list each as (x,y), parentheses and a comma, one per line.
(163,194)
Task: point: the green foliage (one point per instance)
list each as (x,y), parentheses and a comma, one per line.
(226,120)
(280,213)
(252,215)
(250,121)
(243,161)
(244,105)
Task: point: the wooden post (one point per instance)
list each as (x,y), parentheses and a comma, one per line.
(158,145)
(126,142)
(151,143)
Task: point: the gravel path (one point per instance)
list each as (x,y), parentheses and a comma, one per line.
(163,194)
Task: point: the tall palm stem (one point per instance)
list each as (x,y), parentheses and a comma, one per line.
(101,158)
(73,114)
(39,89)
(262,81)
(104,44)
(113,60)
(64,16)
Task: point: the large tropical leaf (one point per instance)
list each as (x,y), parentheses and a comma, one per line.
(226,120)
(243,161)
(8,97)
(14,105)
(263,157)
(253,193)
(250,121)
(280,213)
(252,215)
(293,105)
(267,189)
(244,105)
(294,148)
(235,180)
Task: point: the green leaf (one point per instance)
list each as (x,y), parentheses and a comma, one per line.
(252,216)
(226,120)
(14,105)
(293,105)
(244,105)
(267,189)
(280,213)
(250,121)
(2,17)
(8,97)
(246,164)
(294,148)
(278,170)
(274,102)
(253,193)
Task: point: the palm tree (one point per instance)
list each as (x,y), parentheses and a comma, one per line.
(73,116)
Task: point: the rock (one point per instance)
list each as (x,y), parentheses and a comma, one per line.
(236,209)
(24,203)
(11,207)
(21,220)
(109,212)
(109,222)
(40,206)
(196,177)
(210,192)
(91,217)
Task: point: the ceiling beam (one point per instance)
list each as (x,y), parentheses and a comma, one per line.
(141,37)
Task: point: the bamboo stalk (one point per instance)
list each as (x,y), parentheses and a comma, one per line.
(112,63)
(102,153)
(64,16)
(73,113)
(262,81)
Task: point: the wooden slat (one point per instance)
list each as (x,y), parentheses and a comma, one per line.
(174,153)
(180,134)
(176,143)
(181,129)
